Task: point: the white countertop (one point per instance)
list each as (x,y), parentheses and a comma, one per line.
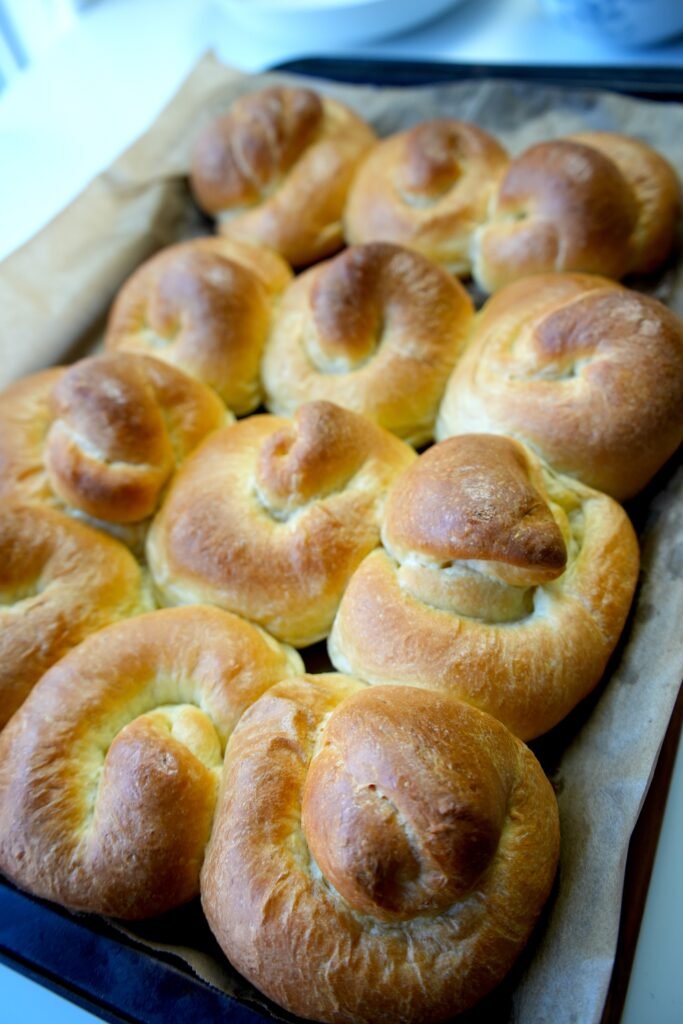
(99,86)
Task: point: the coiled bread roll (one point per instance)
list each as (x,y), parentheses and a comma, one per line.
(588,373)
(110,769)
(276,170)
(102,437)
(377,329)
(205,306)
(499,582)
(379,855)
(59,581)
(271,516)
(427,188)
(595,202)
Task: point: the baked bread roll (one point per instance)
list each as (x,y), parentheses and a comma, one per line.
(379,855)
(587,373)
(270,518)
(377,329)
(276,170)
(59,581)
(427,188)
(499,582)
(598,203)
(102,438)
(205,306)
(109,771)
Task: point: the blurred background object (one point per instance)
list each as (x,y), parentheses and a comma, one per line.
(630,23)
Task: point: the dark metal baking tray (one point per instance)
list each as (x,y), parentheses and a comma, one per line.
(95,966)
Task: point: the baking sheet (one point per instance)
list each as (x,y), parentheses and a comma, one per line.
(54,293)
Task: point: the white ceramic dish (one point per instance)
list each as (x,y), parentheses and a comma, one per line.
(311,24)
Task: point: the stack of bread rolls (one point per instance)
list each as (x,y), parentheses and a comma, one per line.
(373,844)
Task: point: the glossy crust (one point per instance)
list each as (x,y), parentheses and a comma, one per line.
(499,582)
(109,771)
(276,170)
(427,188)
(376,329)
(596,202)
(588,373)
(59,581)
(204,306)
(271,516)
(379,855)
(102,437)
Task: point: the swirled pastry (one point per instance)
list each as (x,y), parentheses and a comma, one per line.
(102,437)
(595,202)
(499,582)
(205,306)
(276,170)
(379,855)
(427,188)
(59,581)
(110,769)
(271,516)
(376,329)
(588,373)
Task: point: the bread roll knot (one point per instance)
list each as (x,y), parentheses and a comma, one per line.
(205,306)
(276,170)
(310,457)
(243,155)
(119,423)
(377,330)
(109,771)
(379,854)
(428,189)
(59,581)
(563,205)
(401,828)
(584,371)
(472,529)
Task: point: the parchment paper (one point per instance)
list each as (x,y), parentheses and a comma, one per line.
(54,293)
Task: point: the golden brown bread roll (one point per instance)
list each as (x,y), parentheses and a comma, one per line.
(379,855)
(102,437)
(657,191)
(376,329)
(205,306)
(595,203)
(586,372)
(499,582)
(270,517)
(426,188)
(276,170)
(59,581)
(109,771)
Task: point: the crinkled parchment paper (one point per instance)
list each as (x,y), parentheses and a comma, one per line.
(54,293)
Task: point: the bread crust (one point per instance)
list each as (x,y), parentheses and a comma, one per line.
(595,202)
(586,372)
(496,619)
(271,516)
(59,581)
(205,306)
(276,170)
(109,770)
(379,854)
(376,329)
(102,437)
(428,189)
